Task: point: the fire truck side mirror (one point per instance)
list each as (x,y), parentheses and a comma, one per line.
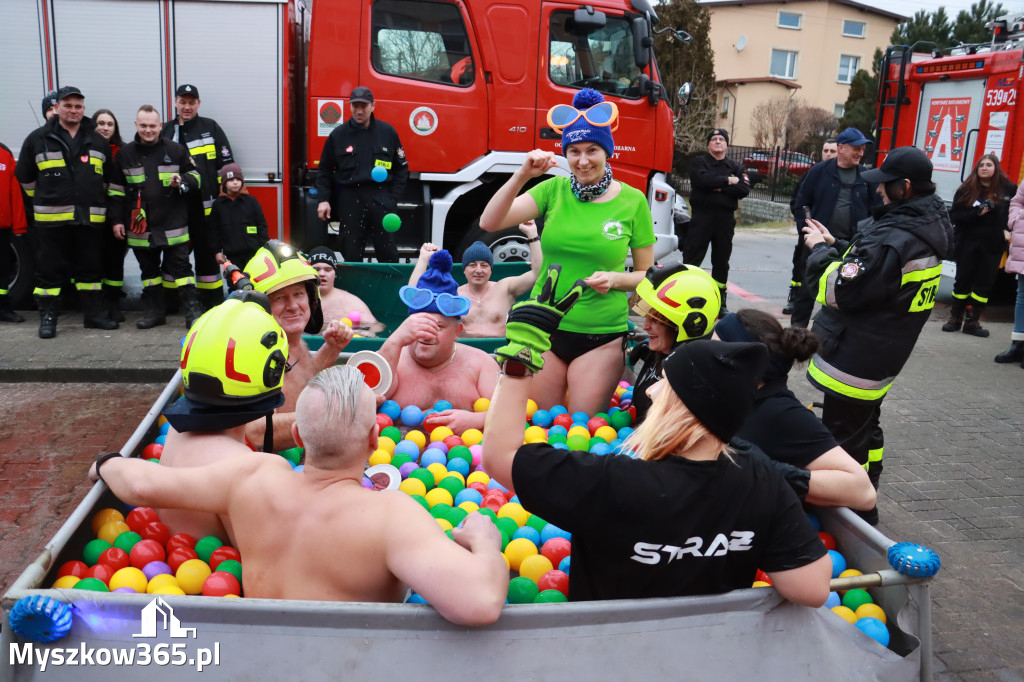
(641,42)
(684,95)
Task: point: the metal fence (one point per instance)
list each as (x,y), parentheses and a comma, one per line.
(773,173)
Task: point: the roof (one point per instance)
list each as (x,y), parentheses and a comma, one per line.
(762,79)
(849,3)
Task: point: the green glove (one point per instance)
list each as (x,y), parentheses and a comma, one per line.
(530,323)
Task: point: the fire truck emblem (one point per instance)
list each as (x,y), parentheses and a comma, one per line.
(423,120)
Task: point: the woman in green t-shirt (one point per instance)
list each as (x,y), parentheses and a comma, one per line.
(592,223)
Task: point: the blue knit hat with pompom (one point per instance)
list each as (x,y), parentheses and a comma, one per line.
(582,130)
(438,278)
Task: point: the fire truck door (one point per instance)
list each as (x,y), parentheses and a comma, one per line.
(950,113)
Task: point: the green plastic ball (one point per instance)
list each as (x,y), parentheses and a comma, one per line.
(392,432)
(489,514)
(424,476)
(439,510)
(456,516)
(550,597)
(594,440)
(231,566)
(522,590)
(92,551)
(536,522)
(507,525)
(578,443)
(422,500)
(855,598)
(462,452)
(205,547)
(620,420)
(452,484)
(392,222)
(555,438)
(127,540)
(293,455)
(505,539)
(601,415)
(398,460)
(91,584)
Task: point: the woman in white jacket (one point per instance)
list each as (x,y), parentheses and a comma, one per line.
(1015,264)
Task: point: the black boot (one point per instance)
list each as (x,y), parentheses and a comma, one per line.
(972,325)
(956,316)
(112,302)
(211,298)
(7,313)
(153,314)
(724,310)
(788,308)
(1015,353)
(93,316)
(190,302)
(47,316)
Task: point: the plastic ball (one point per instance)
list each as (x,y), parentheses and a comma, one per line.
(471,437)
(517,550)
(379,457)
(111,529)
(115,557)
(460,452)
(221,584)
(522,590)
(416,599)
(535,434)
(145,552)
(468,495)
(165,426)
(192,574)
(438,434)
(564,565)
(578,443)
(554,580)
(534,567)
(827,540)
(814,521)
(406,468)
(65,582)
(763,577)
(152,451)
(439,471)
(104,516)
(417,437)
(73,568)
(412,415)
(181,540)
(101,572)
(556,410)
(433,455)
(413,486)
(579,431)
(379,173)
(595,423)
(127,540)
(139,517)
(170,589)
(460,466)
(580,418)
(129,577)
(838,562)
(875,629)
(93,549)
(563,420)
(542,418)
(556,439)
(384,421)
(206,546)
(506,526)
(179,555)
(92,585)
(606,433)
(855,598)
(452,483)
(391,409)
(445,524)
(232,566)
(493,484)
(871,611)
(761,583)
(439,496)
(481,405)
(425,476)
(391,222)
(550,597)
(600,448)
(407,447)
(400,459)
(552,531)
(152,531)
(624,432)
(223,553)
(833,600)
(162,580)
(468,506)
(845,613)
(387,444)
(478,477)
(531,407)
(155,568)
(530,534)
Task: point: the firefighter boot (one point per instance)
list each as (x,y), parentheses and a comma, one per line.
(190,302)
(790,300)
(93,316)
(972,325)
(211,298)
(7,313)
(153,312)
(112,302)
(956,316)
(724,310)
(47,316)
(1015,353)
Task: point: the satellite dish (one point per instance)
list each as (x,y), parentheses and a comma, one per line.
(741,42)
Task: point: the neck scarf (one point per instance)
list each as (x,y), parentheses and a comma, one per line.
(591,192)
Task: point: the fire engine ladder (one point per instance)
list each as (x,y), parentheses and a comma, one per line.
(891,96)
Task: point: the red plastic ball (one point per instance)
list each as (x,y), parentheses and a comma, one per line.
(431,422)
(614,402)
(152,451)
(632,412)
(564,420)
(179,555)
(453,441)
(221,583)
(101,572)
(75,568)
(479,487)
(156,531)
(554,580)
(763,577)
(595,423)
(223,553)
(139,517)
(384,421)
(146,551)
(556,549)
(114,557)
(493,503)
(181,540)
(828,540)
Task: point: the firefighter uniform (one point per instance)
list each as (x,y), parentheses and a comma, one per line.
(147,171)
(876,294)
(73,183)
(349,156)
(210,150)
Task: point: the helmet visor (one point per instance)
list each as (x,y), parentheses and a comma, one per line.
(641,307)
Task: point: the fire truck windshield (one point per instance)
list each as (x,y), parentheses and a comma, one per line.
(602,60)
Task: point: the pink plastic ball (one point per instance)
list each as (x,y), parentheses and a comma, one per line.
(478,453)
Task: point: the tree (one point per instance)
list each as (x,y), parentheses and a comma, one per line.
(808,127)
(861,104)
(970,26)
(768,122)
(926,27)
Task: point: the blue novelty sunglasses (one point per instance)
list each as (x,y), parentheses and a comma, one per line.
(418,299)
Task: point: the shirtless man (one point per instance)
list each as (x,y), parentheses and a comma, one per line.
(491,300)
(338,303)
(292,286)
(282,517)
(202,431)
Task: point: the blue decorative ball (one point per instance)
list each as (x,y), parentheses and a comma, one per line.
(557,410)
(442,405)
(553,531)
(40,619)
(411,415)
(874,628)
(563,565)
(391,409)
(528,532)
(838,562)
(910,558)
(379,173)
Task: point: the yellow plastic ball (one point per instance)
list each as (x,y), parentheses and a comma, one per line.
(65,582)
(235,595)
(169,589)
(469,507)
(444,523)
(620,390)
(456,474)
(870,611)
(413,486)
(845,613)
(515,512)
(481,405)
(535,434)
(104,516)
(848,573)
(578,430)
(440,433)
(534,567)
(380,456)
(160,581)
(192,574)
(508,566)
(531,407)
(345,321)
(471,437)
(606,433)
(385,443)
(517,550)
(111,529)
(438,496)
(439,470)
(417,437)
(161,420)
(761,583)
(478,477)
(129,577)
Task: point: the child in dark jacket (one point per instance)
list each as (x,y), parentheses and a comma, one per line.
(239,225)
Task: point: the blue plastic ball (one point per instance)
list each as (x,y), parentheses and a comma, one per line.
(600,448)
(161,439)
(613,410)
(528,532)
(563,565)
(833,600)
(468,495)
(838,562)
(815,522)
(558,430)
(625,431)
(560,446)
(164,428)
(407,447)
(580,418)
(557,410)
(299,467)
(875,629)
(416,599)
(542,418)
(391,409)
(515,499)
(379,173)
(460,465)
(412,415)
(493,483)
(431,456)
(553,531)
(442,405)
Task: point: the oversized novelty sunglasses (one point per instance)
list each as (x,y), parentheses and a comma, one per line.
(601,114)
(418,299)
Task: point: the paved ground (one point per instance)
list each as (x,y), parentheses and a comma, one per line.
(954,476)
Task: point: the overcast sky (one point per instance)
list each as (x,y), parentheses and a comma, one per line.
(953,7)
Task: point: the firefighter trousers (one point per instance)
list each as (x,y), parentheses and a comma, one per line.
(977,265)
(7,262)
(714,229)
(855,425)
(361,210)
(64,252)
(175,264)
(113,253)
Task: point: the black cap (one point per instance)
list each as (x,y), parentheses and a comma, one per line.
(361,94)
(717,381)
(69,91)
(187,90)
(323,254)
(49,100)
(903,162)
(719,131)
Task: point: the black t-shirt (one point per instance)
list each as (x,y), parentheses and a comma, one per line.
(665,528)
(784,428)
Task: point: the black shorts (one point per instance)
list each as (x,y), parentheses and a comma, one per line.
(570,345)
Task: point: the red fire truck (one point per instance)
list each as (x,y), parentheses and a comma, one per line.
(466,83)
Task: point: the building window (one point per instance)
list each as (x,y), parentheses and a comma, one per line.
(790,20)
(848,66)
(839,110)
(855,29)
(726,101)
(783,64)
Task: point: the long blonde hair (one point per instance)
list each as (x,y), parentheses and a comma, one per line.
(669,429)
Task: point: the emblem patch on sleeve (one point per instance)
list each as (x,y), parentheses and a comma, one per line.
(851,269)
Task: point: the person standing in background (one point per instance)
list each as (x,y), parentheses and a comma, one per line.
(114,249)
(12,222)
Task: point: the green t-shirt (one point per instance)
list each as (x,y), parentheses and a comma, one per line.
(587,237)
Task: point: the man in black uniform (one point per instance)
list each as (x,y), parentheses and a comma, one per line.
(210,150)
(159,174)
(717,185)
(351,188)
(67,169)
(876,292)
(835,193)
